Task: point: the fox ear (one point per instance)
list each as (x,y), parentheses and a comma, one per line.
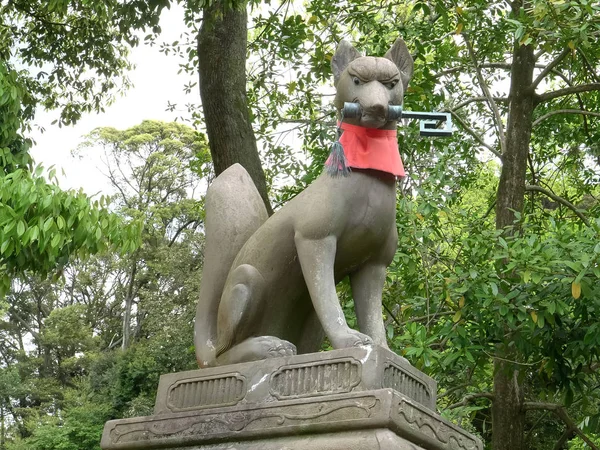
(344,55)
(400,56)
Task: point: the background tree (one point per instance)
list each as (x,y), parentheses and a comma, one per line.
(64,360)
(61,57)
(156,169)
(41,226)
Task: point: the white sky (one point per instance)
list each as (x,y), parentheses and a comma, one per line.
(155,83)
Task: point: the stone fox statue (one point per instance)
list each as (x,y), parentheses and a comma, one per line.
(268,284)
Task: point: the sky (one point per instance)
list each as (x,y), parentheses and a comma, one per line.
(155,84)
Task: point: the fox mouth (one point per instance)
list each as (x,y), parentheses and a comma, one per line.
(372,121)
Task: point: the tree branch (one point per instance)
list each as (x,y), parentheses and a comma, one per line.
(475,135)
(491,65)
(538,54)
(566,91)
(565,111)
(392,315)
(26,325)
(461,69)
(488,95)
(567,435)
(549,67)
(469,398)
(453,389)
(537,422)
(579,100)
(432,316)
(179,230)
(561,413)
(560,200)
(588,65)
(479,99)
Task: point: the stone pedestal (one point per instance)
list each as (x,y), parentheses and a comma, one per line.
(351,399)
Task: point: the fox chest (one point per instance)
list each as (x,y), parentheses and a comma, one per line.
(370,229)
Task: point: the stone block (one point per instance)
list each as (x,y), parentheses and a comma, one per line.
(301,376)
(359,398)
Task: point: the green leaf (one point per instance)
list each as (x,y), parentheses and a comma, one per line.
(494,287)
(534,316)
(503,243)
(457,316)
(35,232)
(9,226)
(21,228)
(55,240)
(541,321)
(48,224)
(469,356)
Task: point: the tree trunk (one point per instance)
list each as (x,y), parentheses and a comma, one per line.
(511,190)
(508,417)
(222,66)
(128,306)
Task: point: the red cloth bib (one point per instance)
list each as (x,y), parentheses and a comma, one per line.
(371,148)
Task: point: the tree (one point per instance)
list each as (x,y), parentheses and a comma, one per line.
(62,57)
(156,169)
(72,56)
(41,226)
(76,364)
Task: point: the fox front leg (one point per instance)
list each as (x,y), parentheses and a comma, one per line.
(367,287)
(317,257)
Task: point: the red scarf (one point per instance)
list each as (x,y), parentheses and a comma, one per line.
(371,148)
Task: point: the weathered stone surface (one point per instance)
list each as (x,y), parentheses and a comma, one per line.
(277,296)
(318,419)
(361,440)
(301,376)
(380,439)
(360,398)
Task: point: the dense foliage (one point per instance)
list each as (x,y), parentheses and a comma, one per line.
(62,376)
(481,295)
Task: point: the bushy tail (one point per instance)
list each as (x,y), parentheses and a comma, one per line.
(234,211)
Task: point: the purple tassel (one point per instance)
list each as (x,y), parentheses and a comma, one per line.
(336,163)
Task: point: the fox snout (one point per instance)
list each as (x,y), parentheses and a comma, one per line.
(373,114)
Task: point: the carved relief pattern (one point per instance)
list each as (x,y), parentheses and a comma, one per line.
(425,422)
(398,379)
(223,390)
(331,377)
(261,419)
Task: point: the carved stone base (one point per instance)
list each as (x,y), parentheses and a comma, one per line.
(379,439)
(360,398)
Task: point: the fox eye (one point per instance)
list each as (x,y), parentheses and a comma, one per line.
(356,80)
(393,84)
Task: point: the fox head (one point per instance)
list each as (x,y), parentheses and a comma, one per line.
(372,82)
